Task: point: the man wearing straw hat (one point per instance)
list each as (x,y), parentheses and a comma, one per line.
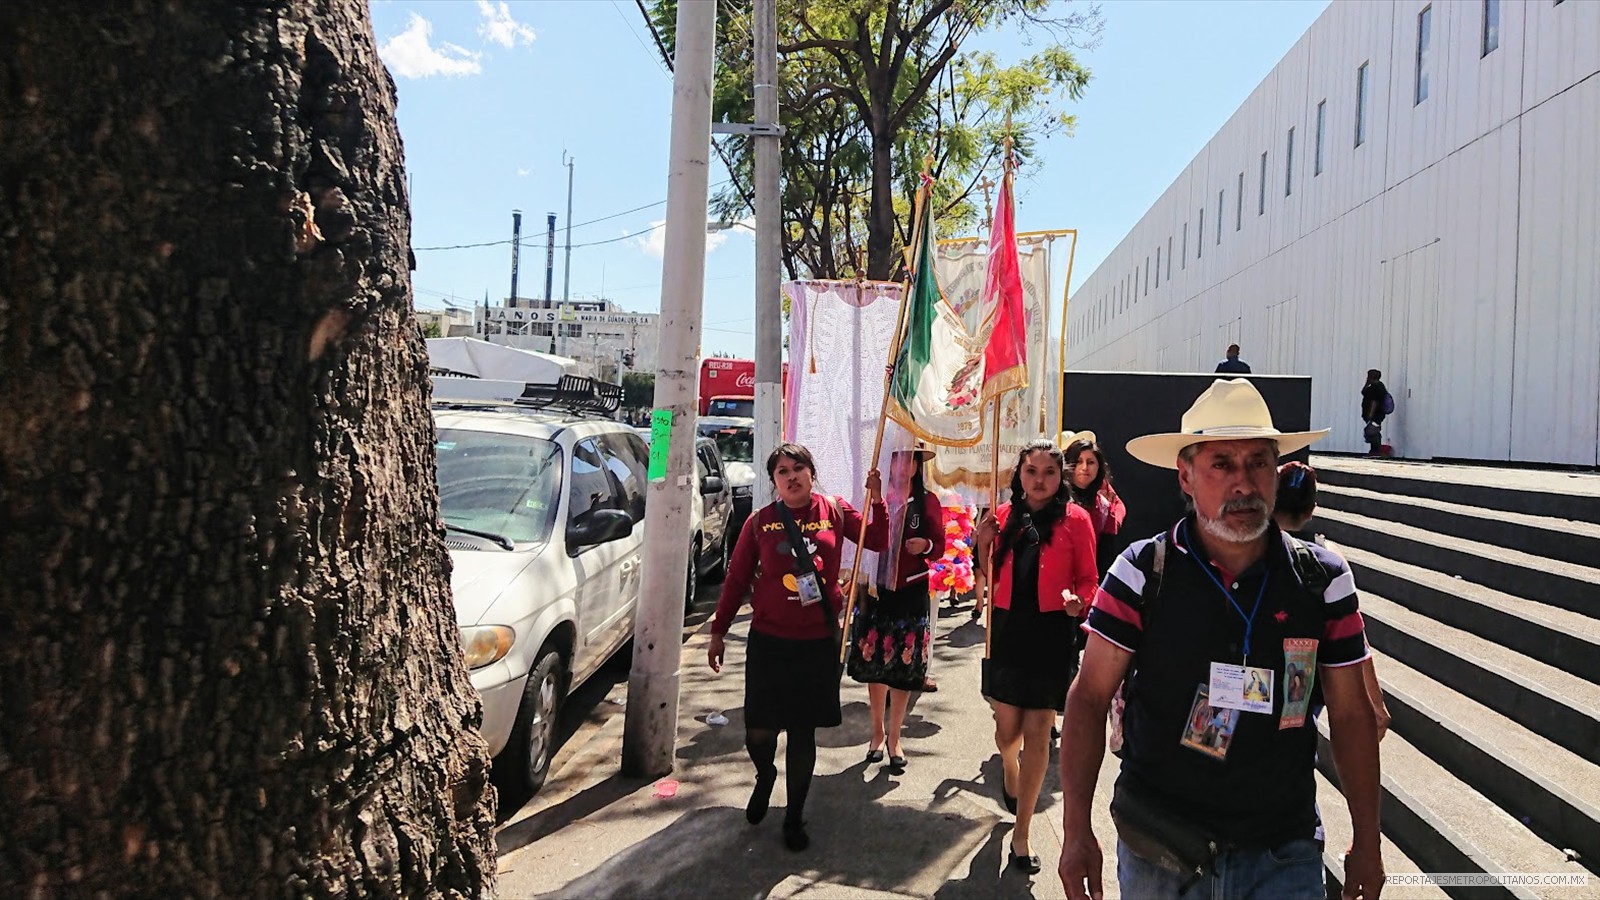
(1217,789)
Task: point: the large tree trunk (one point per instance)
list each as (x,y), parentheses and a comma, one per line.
(881,237)
(228,661)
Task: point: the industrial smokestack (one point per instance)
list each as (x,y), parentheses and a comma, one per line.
(516,246)
(550,260)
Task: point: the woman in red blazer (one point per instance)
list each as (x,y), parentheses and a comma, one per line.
(1044,576)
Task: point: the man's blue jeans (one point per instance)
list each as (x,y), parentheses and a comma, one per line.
(1290,871)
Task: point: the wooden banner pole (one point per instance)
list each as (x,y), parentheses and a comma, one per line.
(883,418)
(994,506)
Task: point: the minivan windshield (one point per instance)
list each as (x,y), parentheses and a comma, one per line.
(736,443)
(500,484)
(744,407)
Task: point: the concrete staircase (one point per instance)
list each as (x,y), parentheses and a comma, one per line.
(1481,593)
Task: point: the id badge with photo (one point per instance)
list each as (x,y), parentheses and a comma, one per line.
(1209,728)
(810,589)
(1248,689)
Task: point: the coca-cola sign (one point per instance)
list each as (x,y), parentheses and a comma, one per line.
(746,380)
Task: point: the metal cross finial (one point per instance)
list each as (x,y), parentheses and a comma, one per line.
(987,184)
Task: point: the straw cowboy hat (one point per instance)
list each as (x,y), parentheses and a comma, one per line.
(1229,410)
(1067,438)
(922,450)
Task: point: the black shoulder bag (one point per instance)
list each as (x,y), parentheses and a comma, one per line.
(806,567)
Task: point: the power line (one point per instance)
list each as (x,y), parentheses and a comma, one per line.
(533,242)
(636,37)
(665,56)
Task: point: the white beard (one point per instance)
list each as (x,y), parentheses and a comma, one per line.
(1221,529)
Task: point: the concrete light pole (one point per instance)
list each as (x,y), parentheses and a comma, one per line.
(566,268)
(769,221)
(651,725)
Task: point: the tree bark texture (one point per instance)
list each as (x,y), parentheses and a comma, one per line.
(229,665)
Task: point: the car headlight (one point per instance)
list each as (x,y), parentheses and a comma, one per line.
(743,490)
(486,644)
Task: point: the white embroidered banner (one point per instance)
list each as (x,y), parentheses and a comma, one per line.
(1024,415)
(839,339)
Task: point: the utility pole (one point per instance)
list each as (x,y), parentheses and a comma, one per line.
(769,222)
(566,269)
(650,728)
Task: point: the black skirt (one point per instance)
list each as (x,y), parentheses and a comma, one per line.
(791,684)
(1032,662)
(1033,654)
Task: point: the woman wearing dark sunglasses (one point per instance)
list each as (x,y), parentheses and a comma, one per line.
(1044,578)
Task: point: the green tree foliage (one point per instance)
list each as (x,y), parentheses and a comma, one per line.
(638,390)
(869,89)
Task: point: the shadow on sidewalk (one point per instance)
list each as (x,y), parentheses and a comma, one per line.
(983,883)
(879,846)
(967,634)
(551,819)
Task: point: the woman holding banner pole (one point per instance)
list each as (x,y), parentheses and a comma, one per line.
(892,632)
(1043,576)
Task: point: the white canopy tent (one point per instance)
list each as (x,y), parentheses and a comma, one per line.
(481,359)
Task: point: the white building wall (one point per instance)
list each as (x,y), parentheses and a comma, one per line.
(1457,249)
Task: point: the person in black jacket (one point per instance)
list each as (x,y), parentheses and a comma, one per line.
(1233,365)
(1374,408)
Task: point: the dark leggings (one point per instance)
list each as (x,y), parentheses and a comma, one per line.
(800,760)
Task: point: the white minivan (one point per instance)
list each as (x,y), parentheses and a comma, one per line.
(544,516)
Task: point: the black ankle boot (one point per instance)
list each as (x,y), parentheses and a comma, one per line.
(794,835)
(756,810)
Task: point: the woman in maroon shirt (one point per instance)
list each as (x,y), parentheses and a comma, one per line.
(791,679)
(1090,480)
(890,638)
(1044,576)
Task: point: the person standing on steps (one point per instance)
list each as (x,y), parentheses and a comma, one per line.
(787,562)
(1217,788)
(891,634)
(1043,562)
(1376,405)
(1233,365)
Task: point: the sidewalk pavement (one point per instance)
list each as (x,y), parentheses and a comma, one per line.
(936,830)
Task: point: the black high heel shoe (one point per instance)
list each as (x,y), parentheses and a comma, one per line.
(1010,801)
(1029,864)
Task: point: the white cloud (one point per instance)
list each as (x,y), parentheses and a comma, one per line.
(410,54)
(523,173)
(499,28)
(654,244)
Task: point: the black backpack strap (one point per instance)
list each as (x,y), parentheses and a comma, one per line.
(1312,573)
(1152,582)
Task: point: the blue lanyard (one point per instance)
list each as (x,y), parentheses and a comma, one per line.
(1250,620)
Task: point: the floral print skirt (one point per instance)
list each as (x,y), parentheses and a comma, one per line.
(889,638)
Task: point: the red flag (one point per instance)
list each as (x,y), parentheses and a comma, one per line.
(1005,354)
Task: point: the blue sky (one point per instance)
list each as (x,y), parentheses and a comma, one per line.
(492,94)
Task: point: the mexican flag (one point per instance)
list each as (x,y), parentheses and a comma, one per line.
(937,369)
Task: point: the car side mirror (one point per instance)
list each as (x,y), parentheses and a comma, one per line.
(713,484)
(600,526)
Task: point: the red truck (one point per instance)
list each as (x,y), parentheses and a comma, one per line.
(728,386)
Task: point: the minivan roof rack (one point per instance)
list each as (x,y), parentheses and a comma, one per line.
(572,394)
(575,393)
